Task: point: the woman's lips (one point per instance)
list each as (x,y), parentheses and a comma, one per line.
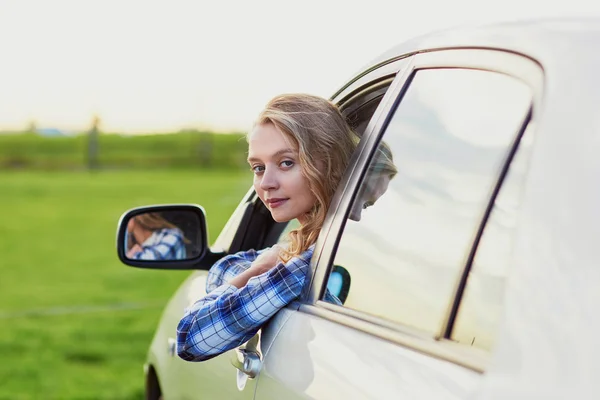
(276,202)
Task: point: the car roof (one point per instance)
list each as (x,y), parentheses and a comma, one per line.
(553,43)
(535,38)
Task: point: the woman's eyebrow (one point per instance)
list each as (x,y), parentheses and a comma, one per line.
(275,155)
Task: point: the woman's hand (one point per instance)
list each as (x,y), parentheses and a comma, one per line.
(263,263)
(136,248)
(267,260)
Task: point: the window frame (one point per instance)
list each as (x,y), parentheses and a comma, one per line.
(440,346)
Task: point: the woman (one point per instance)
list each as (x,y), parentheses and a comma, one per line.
(298,150)
(151,237)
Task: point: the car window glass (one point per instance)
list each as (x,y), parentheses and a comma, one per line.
(443,150)
(481,305)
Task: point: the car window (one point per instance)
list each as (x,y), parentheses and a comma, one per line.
(481,306)
(357,113)
(418,207)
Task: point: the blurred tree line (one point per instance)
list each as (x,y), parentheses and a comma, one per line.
(96,150)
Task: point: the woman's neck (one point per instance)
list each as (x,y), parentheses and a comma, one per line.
(302,219)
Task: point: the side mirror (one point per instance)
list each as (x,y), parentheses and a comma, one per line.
(339,282)
(165,237)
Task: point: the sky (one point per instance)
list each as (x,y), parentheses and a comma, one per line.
(165,65)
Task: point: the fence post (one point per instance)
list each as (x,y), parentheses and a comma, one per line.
(205,148)
(92,148)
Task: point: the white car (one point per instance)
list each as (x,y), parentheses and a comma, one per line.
(475,275)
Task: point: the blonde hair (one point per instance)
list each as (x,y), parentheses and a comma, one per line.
(152,221)
(325,144)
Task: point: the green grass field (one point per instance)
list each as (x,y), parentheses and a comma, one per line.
(76,323)
(178,150)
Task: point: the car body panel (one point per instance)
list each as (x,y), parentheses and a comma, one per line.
(214,378)
(546,345)
(320,359)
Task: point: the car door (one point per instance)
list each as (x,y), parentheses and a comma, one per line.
(429,258)
(248,227)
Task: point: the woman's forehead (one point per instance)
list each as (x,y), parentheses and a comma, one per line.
(266,140)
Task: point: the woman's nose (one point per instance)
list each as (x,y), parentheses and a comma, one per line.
(269,179)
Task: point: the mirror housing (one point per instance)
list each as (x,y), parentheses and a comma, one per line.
(172,236)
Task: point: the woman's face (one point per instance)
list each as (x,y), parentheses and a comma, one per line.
(278,177)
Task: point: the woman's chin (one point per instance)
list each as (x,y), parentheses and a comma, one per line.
(282,219)
(286,217)
(281,216)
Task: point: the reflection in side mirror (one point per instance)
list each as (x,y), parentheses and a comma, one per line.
(160,236)
(169,236)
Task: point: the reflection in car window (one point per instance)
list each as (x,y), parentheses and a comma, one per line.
(480,308)
(447,139)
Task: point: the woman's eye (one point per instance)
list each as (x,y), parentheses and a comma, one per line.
(257,169)
(287,163)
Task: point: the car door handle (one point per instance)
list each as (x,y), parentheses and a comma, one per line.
(247,361)
(172,346)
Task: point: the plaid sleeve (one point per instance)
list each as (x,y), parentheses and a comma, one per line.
(228,317)
(330,298)
(229,267)
(168,247)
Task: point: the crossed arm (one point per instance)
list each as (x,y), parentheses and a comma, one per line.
(233,312)
(244,292)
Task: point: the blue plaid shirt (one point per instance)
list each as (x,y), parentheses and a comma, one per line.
(227,317)
(164,244)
